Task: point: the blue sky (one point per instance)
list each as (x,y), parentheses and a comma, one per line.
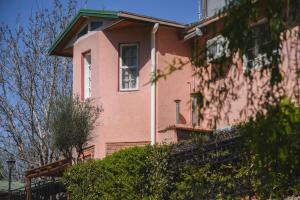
(184,11)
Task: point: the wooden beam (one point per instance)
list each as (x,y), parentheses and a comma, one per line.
(48,172)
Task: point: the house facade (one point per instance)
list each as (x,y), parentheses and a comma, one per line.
(115,56)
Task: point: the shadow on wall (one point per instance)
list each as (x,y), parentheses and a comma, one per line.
(232,97)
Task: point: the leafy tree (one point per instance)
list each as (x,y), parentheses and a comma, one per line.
(71,122)
(29,80)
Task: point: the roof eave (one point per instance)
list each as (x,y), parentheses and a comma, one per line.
(81,13)
(111,15)
(191,32)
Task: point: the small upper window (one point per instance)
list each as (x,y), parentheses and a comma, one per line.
(95,25)
(83,31)
(92,26)
(129,67)
(214,6)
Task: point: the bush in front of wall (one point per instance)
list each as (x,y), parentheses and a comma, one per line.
(120,176)
(273,140)
(267,166)
(135,173)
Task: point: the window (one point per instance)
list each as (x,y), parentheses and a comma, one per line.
(87,74)
(83,31)
(255,56)
(91,26)
(129,67)
(95,25)
(214,6)
(217,47)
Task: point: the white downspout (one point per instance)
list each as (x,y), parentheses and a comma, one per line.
(153,85)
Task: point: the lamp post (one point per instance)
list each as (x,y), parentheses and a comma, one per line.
(11,164)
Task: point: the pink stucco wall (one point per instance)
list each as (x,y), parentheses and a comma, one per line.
(126,116)
(177,85)
(234,98)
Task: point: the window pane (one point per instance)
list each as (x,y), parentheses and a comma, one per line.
(129,55)
(88,58)
(256,55)
(87,76)
(129,78)
(213,6)
(83,32)
(96,25)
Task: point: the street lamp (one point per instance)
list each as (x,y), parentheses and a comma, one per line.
(11,164)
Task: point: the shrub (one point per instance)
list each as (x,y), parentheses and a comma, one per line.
(161,172)
(267,166)
(120,176)
(274,141)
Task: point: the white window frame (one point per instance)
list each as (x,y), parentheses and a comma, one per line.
(121,66)
(220,40)
(87,67)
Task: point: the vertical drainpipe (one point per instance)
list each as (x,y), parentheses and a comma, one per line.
(153,85)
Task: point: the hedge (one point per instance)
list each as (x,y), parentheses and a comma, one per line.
(267,166)
(135,173)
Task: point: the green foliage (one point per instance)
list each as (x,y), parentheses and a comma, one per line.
(71,121)
(120,176)
(267,167)
(161,172)
(274,142)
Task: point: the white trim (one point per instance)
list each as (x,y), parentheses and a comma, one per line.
(153,85)
(121,66)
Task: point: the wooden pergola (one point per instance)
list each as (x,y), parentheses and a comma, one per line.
(55,169)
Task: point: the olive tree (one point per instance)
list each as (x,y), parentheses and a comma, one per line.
(71,122)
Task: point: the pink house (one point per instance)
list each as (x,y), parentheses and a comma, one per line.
(115,55)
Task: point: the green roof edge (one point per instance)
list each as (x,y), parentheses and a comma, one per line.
(83,12)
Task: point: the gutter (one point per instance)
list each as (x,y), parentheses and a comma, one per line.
(153,85)
(194,31)
(134,16)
